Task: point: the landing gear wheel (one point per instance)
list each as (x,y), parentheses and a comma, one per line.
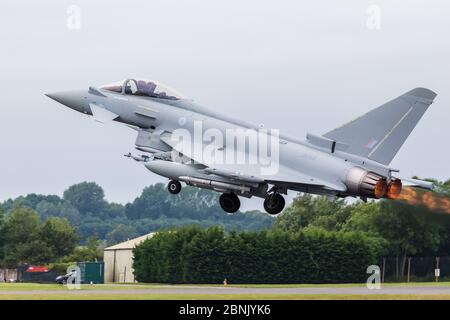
(229,202)
(274,203)
(174,186)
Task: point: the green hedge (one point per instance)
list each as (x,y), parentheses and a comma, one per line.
(194,255)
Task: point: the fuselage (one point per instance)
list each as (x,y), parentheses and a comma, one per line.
(162,114)
(351,160)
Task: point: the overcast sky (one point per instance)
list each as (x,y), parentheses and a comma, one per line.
(298,66)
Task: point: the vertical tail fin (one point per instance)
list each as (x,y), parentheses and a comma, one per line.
(379,134)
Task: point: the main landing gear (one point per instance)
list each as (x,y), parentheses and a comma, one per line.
(174,187)
(274,203)
(229,202)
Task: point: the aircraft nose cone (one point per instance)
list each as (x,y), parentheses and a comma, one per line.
(75,100)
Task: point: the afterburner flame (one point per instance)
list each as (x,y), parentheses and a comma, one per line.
(394,189)
(409,195)
(429,199)
(380,189)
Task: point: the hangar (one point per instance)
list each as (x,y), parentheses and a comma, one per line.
(119,260)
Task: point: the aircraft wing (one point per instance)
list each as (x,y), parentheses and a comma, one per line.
(246,172)
(283,175)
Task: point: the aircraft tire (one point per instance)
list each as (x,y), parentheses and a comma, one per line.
(274,204)
(174,187)
(229,202)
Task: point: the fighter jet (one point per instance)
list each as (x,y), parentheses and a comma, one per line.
(186,142)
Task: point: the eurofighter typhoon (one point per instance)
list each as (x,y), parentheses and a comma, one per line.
(186,142)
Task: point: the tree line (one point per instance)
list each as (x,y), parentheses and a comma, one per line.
(43,229)
(48,228)
(316,239)
(85,207)
(25,238)
(194,255)
(414,228)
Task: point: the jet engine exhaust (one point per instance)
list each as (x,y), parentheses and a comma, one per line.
(364,183)
(394,189)
(434,202)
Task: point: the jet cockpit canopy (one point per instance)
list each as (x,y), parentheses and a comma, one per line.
(141,87)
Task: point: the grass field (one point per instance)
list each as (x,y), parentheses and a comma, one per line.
(31,291)
(125,286)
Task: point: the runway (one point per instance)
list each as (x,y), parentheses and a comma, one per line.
(205,290)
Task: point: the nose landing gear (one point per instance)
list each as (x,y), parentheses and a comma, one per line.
(174,187)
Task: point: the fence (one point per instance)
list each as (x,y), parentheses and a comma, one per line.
(414,269)
(40,277)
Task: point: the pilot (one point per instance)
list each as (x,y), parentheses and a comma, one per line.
(146,89)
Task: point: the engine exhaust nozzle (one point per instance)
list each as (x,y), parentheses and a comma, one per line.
(394,189)
(365,183)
